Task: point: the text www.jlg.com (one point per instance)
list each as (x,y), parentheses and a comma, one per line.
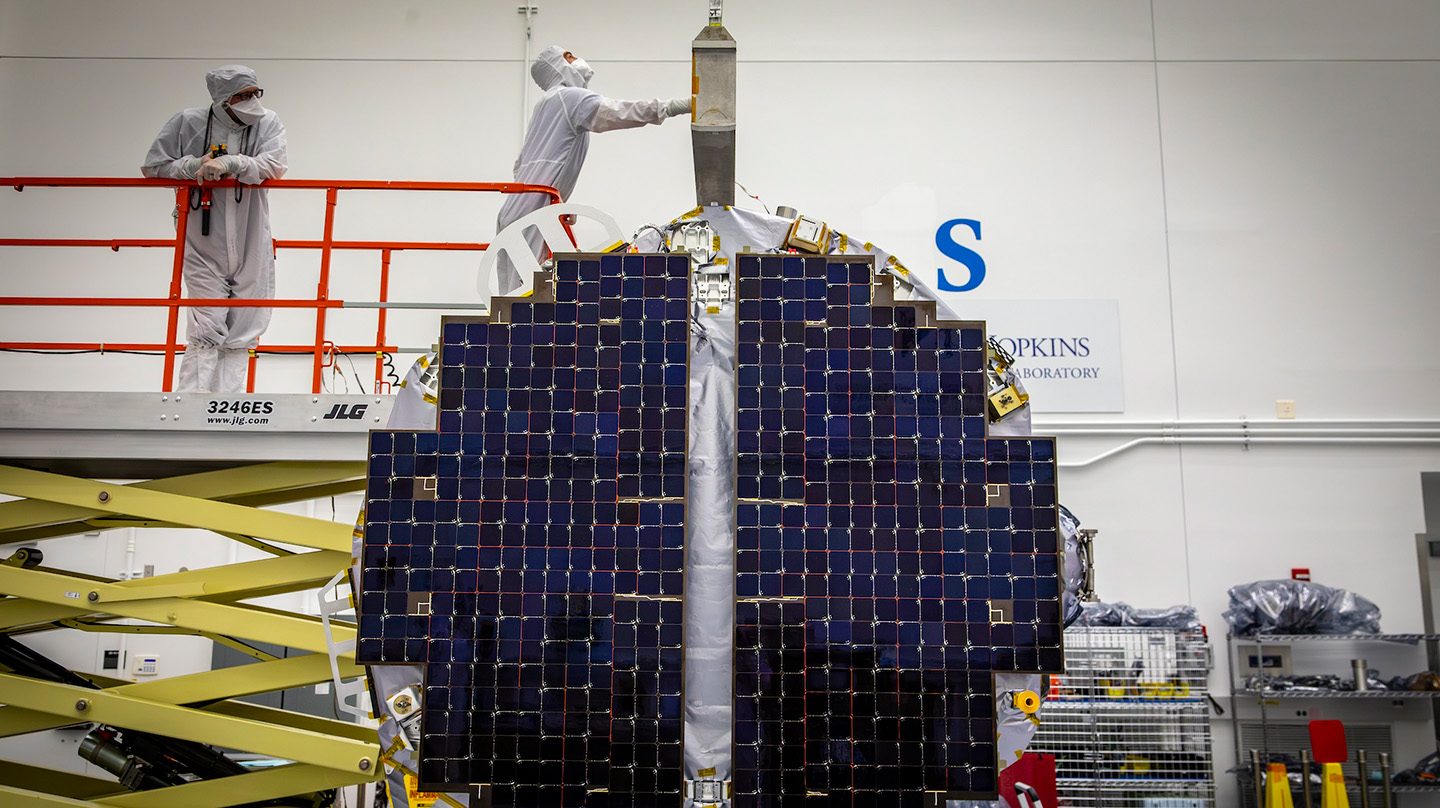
(237,420)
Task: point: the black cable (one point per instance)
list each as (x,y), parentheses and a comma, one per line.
(195,194)
(244,143)
(390,369)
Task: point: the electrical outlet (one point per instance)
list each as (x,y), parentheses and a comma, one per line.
(1285,409)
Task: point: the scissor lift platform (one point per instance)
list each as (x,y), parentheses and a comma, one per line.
(80,462)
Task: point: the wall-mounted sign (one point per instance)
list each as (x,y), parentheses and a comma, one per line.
(1067,352)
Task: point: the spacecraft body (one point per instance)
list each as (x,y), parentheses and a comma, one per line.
(647,521)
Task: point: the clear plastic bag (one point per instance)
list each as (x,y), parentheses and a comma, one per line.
(1123,614)
(1299,607)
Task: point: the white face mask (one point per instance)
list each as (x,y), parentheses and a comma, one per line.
(583,68)
(248,111)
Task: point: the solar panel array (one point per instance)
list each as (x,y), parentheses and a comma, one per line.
(889,558)
(529,554)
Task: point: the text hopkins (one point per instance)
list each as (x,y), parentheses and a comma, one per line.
(1021,347)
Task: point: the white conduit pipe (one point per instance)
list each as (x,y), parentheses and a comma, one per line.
(1218,432)
(1242,440)
(1318,431)
(1241,423)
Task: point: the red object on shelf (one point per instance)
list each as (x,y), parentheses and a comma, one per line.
(1029,782)
(1327,742)
(1300,573)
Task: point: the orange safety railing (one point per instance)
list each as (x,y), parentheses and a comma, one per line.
(327,244)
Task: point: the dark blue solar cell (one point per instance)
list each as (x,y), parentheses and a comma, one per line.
(908,549)
(545,672)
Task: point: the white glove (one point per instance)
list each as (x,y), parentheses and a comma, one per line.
(677,106)
(189,166)
(210,170)
(217,167)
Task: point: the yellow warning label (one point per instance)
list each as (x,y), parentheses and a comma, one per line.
(416,798)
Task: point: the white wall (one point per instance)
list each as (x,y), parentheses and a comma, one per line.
(1255,183)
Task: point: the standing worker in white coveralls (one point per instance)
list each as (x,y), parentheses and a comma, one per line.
(559,136)
(233,142)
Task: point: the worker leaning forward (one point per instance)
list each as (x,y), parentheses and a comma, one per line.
(228,250)
(559,136)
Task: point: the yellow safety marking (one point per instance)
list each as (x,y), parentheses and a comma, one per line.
(417,798)
(1026,701)
(391,762)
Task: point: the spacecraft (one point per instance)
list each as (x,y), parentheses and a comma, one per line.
(738,514)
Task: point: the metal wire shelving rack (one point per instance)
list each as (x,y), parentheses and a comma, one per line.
(1128,722)
(1267,699)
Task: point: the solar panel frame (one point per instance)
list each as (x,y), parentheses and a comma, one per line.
(451,515)
(801,321)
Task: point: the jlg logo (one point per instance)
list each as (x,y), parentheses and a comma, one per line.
(352,412)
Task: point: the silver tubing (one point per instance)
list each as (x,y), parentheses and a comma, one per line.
(1364,778)
(1385,793)
(1259,783)
(1305,775)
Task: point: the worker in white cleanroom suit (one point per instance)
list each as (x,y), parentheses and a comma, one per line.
(559,136)
(237,258)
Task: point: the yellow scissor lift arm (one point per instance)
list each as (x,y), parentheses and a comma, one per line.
(201,707)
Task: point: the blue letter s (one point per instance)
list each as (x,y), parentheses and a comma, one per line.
(964,255)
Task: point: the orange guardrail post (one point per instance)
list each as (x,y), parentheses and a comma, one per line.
(172,322)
